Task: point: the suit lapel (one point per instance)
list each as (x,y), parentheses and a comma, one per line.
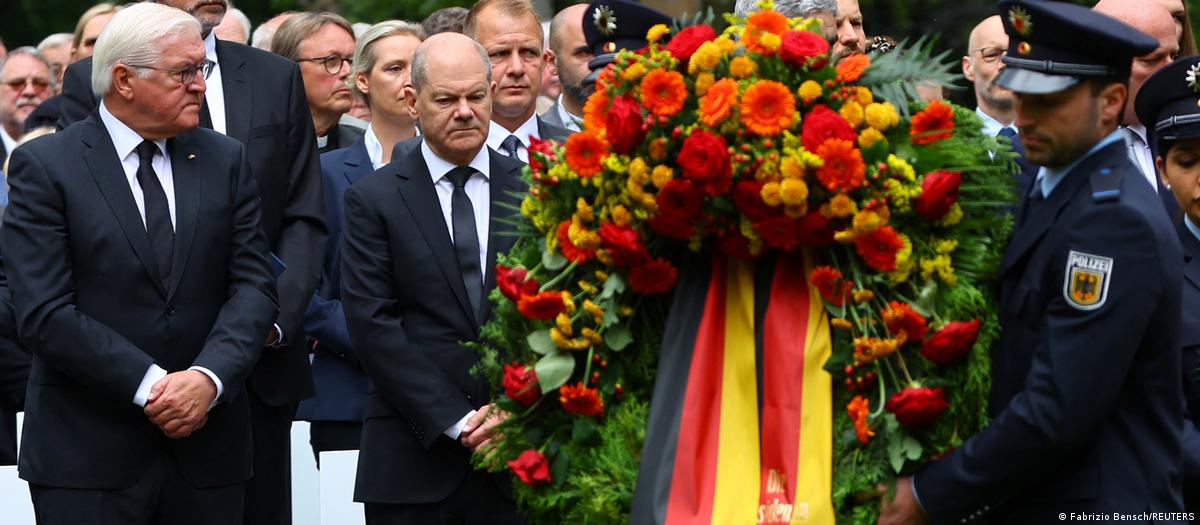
(1041,219)
(1191,255)
(187,175)
(235,86)
(416,188)
(355,161)
(506,189)
(101,159)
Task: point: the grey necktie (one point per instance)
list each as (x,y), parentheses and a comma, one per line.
(466,237)
(510,145)
(158,216)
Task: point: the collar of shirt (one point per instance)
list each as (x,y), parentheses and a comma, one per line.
(124,138)
(214,94)
(438,168)
(1139,152)
(374,148)
(569,121)
(1191,226)
(991,126)
(497,134)
(125,141)
(1049,179)
(9,143)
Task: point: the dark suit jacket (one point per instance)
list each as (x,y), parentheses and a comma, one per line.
(342,136)
(266,110)
(14,374)
(409,314)
(551,131)
(1086,418)
(91,308)
(341,385)
(1191,368)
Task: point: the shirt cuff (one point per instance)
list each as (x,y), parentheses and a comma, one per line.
(456,429)
(153,375)
(216,381)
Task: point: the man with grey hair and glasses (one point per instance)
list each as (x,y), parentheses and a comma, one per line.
(141,280)
(824,10)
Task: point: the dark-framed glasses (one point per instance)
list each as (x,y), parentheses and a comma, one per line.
(185,75)
(332,63)
(18,84)
(991,55)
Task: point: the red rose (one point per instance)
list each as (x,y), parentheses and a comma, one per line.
(679,206)
(531,468)
(804,48)
(736,245)
(939,191)
(686,42)
(541,307)
(623,244)
(654,277)
(521,384)
(515,282)
(951,343)
(814,230)
(778,232)
(879,249)
(705,161)
(747,197)
(624,125)
(916,407)
(822,124)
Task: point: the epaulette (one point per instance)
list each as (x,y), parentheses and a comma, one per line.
(1106,185)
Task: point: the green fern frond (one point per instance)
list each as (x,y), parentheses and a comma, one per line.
(894,76)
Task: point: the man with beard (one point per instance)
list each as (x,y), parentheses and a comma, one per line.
(850,36)
(25,81)
(511,32)
(994,104)
(258,98)
(571,55)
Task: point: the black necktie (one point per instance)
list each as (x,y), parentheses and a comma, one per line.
(1028,170)
(205,116)
(510,145)
(158,216)
(466,237)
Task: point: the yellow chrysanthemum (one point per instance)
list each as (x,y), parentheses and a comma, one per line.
(901,169)
(882,116)
(771,41)
(568,302)
(791,168)
(793,192)
(656,32)
(869,137)
(867,221)
(841,206)
(742,67)
(634,72)
(951,217)
(620,216)
(853,113)
(589,289)
(592,336)
(770,194)
(658,149)
(563,323)
(809,91)
(637,168)
(706,58)
(725,44)
(661,176)
(704,82)
(594,310)
(583,211)
(864,96)
(904,265)
(566,343)
(862,296)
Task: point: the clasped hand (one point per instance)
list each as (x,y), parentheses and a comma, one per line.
(479,434)
(178,403)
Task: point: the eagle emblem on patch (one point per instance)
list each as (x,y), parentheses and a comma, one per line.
(1085,285)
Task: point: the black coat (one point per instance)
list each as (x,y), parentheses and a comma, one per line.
(1087,415)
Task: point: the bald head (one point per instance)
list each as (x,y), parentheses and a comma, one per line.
(1155,20)
(981,64)
(989,31)
(451,95)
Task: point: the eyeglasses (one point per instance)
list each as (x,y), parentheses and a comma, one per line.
(332,63)
(18,84)
(991,54)
(187,74)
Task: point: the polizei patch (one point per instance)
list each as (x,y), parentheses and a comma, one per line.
(1086,280)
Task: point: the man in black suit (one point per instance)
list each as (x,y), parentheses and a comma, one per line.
(511,32)
(421,238)
(1086,401)
(141,280)
(258,98)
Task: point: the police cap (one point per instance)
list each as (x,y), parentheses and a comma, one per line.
(1168,101)
(612,25)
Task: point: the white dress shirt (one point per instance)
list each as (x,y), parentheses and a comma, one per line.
(374,148)
(991,127)
(1139,153)
(126,142)
(9,143)
(478,189)
(497,134)
(214,92)
(569,121)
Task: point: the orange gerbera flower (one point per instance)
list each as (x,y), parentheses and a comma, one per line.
(879,248)
(717,104)
(760,24)
(595,111)
(581,400)
(663,92)
(851,68)
(858,409)
(900,317)
(934,123)
(543,306)
(828,281)
(768,108)
(585,153)
(844,168)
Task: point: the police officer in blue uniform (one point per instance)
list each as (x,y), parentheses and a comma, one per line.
(612,25)
(1169,103)
(1086,405)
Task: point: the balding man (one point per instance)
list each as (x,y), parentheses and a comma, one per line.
(264,34)
(986,46)
(824,10)
(1153,19)
(141,282)
(571,55)
(511,32)
(421,238)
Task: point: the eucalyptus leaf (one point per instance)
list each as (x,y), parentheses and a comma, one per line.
(554,370)
(613,286)
(618,337)
(926,301)
(552,260)
(541,343)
